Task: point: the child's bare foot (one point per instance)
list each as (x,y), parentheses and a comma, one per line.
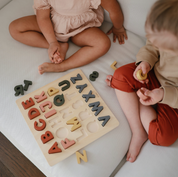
(108,80)
(54,67)
(49,67)
(136,144)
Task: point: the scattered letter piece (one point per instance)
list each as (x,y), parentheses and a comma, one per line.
(80,156)
(113,65)
(27,83)
(94,75)
(19,90)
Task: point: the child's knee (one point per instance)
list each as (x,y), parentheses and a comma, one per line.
(104,44)
(124,72)
(123,78)
(13,28)
(160,136)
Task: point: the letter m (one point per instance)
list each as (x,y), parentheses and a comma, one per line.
(96,108)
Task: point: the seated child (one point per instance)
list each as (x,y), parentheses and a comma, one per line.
(159,59)
(58,20)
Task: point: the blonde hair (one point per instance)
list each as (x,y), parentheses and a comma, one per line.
(164,16)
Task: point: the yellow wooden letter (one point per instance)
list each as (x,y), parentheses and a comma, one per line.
(76,124)
(113,65)
(51,91)
(80,156)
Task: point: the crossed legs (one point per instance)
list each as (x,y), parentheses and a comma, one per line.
(93,42)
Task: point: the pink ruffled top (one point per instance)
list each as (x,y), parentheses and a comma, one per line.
(71,17)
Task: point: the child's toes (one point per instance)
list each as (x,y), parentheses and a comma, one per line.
(108,82)
(40,70)
(109,77)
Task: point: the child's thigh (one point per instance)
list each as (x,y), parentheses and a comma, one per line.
(163,130)
(91,37)
(24,24)
(123,79)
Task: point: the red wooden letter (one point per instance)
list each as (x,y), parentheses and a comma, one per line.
(46,137)
(28,103)
(32,113)
(41,127)
(54,149)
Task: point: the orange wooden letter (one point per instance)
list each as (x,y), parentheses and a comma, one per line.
(41,127)
(54,149)
(33,112)
(28,103)
(46,137)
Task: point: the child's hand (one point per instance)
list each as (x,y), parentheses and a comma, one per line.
(145,67)
(118,33)
(152,97)
(54,52)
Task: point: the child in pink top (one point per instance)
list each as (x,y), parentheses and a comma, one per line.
(58,20)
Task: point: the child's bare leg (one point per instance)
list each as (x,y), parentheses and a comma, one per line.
(130,105)
(147,114)
(27,31)
(94,44)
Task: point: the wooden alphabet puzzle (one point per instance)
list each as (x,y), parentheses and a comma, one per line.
(66,115)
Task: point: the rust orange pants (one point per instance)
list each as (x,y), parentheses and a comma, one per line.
(163,130)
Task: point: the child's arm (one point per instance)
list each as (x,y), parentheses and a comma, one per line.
(116,16)
(164,94)
(148,53)
(45,24)
(147,56)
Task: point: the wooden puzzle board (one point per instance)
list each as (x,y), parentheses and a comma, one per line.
(74,106)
